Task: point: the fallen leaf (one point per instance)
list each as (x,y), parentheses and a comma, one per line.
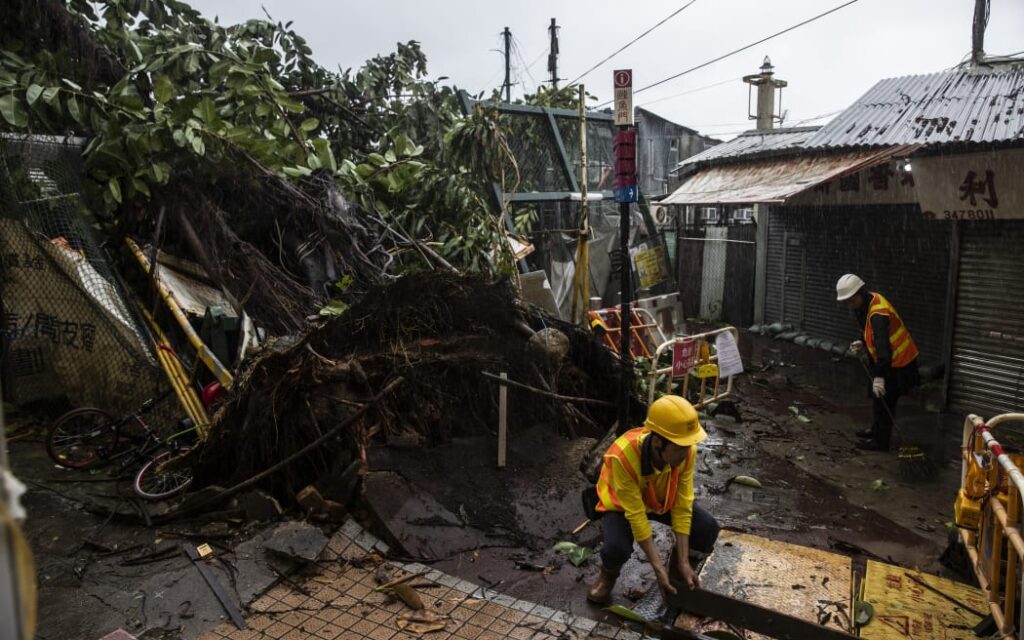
(748,481)
(879,485)
(423,621)
(408,595)
(623,612)
(803,418)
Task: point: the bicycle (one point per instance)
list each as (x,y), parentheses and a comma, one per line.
(87,437)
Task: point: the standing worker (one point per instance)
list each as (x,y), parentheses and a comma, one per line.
(892,356)
(647,474)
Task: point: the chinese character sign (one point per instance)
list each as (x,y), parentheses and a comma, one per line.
(972,186)
(684,357)
(623,85)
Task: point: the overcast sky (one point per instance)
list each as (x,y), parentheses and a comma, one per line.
(828,63)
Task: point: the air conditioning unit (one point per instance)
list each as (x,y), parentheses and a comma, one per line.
(709,213)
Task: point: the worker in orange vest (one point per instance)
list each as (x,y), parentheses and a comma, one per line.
(892,356)
(647,474)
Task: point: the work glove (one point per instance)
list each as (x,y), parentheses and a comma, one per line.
(878,387)
(856,347)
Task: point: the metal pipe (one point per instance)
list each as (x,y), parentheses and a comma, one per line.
(996,610)
(216,367)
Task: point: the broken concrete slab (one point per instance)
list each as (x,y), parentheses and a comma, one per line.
(259,506)
(297,540)
(416,521)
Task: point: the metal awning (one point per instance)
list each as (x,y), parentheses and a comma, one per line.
(775,181)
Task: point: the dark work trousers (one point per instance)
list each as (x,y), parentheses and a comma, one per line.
(881,428)
(618,535)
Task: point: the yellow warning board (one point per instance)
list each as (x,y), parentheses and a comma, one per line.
(905,609)
(650,266)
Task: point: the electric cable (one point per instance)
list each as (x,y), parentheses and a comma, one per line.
(689,91)
(633,41)
(740,50)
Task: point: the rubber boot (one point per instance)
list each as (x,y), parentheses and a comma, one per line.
(601,591)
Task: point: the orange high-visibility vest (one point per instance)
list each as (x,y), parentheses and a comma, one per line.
(626,449)
(903,348)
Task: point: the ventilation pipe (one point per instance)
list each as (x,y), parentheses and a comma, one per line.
(766,84)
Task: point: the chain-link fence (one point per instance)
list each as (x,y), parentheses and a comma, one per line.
(68,330)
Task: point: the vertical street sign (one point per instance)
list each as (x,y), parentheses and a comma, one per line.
(623,97)
(626,192)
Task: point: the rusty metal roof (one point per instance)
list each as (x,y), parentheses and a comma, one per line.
(773,180)
(966,105)
(751,144)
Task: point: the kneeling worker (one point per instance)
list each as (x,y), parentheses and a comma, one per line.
(647,474)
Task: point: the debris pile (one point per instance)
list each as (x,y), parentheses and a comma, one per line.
(439,334)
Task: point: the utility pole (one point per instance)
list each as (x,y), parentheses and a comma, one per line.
(626,193)
(508,82)
(981,9)
(553,54)
(766,84)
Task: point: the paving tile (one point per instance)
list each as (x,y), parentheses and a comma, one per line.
(584,624)
(628,634)
(522,633)
(482,619)
(447,580)
(293,618)
(276,630)
(351,528)
(500,626)
(382,547)
(562,617)
(512,616)
(491,635)
(462,613)
(465,586)
(345,620)
(541,611)
(382,633)
(330,632)
(314,623)
(493,609)
(295,634)
(468,631)
(504,600)
(259,622)
(366,540)
(524,606)
(604,630)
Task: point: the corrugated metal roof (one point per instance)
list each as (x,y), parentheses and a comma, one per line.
(953,106)
(752,144)
(772,181)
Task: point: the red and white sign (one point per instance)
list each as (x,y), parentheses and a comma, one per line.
(684,357)
(623,81)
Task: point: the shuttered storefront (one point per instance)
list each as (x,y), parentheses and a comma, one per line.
(987,362)
(893,248)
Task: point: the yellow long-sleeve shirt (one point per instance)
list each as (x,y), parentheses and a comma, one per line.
(623,487)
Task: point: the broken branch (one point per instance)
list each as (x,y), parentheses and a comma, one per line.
(556,396)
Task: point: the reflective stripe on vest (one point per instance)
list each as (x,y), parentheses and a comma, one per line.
(627,450)
(904,350)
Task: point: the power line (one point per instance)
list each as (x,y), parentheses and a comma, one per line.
(740,50)
(689,91)
(633,41)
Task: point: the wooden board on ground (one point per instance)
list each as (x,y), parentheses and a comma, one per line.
(803,582)
(905,609)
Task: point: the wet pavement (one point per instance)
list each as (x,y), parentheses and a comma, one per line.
(496,528)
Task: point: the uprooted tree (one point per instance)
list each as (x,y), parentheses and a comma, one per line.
(234,146)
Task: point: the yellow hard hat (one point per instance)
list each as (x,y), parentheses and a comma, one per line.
(675,419)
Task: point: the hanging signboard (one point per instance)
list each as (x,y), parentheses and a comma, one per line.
(971,186)
(623,85)
(650,266)
(885,183)
(684,357)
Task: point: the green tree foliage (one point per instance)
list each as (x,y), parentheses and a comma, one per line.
(171,100)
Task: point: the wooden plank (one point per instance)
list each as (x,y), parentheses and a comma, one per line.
(502,420)
(801,582)
(905,609)
(754,618)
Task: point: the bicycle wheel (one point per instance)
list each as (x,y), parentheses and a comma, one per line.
(152,483)
(82,437)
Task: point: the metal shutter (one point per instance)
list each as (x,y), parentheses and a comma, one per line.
(987,368)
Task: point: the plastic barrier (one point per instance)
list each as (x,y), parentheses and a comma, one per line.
(988,512)
(704,368)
